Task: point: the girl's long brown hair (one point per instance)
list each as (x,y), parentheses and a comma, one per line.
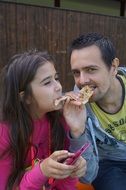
(16,77)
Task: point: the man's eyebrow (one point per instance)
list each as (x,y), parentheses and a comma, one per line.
(92,66)
(86,67)
(75,69)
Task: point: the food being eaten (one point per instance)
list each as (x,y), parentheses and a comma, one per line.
(85,93)
(57,101)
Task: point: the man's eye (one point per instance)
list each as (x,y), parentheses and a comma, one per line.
(91,70)
(76,73)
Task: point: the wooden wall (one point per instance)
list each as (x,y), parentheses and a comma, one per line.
(24,27)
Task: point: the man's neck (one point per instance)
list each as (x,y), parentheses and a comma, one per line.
(113,100)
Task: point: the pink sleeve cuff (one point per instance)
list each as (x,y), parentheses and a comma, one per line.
(33,179)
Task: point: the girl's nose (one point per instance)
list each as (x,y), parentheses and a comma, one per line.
(58,86)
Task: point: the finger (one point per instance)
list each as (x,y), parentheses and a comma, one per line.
(76,102)
(72,95)
(80,169)
(79,173)
(64,167)
(80,162)
(59,155)
(60,174)
(60,171)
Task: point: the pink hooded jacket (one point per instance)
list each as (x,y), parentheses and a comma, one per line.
(33,179)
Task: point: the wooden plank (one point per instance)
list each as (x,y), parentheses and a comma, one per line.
(24,27)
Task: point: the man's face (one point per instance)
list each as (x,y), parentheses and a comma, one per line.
(89,68)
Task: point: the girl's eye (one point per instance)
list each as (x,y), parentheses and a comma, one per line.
(57,78)
(47,83)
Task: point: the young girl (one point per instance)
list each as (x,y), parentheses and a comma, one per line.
(33,139)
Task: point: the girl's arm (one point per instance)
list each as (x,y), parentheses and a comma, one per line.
(34,179)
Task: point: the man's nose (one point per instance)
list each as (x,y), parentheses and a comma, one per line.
(84,78)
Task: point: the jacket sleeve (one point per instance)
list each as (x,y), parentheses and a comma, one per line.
(64,184)
(5,168)
(90,155)
(32,179)
(5,159)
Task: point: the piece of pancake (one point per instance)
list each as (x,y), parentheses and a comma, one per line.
(57,101)
(85,93)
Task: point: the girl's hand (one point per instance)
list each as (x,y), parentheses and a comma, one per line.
(51,166)
(81,167)
(75,114)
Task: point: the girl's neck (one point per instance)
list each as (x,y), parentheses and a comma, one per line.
(35,114)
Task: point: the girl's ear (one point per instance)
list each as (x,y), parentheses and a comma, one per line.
(27,100)
(21,95)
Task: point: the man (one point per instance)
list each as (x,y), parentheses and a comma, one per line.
(94,63)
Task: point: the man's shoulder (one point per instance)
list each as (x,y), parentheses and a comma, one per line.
(122,71)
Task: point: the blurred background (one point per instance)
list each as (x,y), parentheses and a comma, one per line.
(108,7)
(52,24)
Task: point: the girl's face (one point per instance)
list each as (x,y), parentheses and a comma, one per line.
(46,88)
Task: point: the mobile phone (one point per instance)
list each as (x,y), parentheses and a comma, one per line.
(71,160)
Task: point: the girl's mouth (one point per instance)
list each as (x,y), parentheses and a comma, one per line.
(59,100)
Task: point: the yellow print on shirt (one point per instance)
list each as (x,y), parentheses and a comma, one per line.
(117,129)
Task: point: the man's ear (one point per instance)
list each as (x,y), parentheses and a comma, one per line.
(115,64)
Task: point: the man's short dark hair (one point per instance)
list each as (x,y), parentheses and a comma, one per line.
(103,43)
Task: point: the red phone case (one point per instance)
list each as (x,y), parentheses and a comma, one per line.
(71,160)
